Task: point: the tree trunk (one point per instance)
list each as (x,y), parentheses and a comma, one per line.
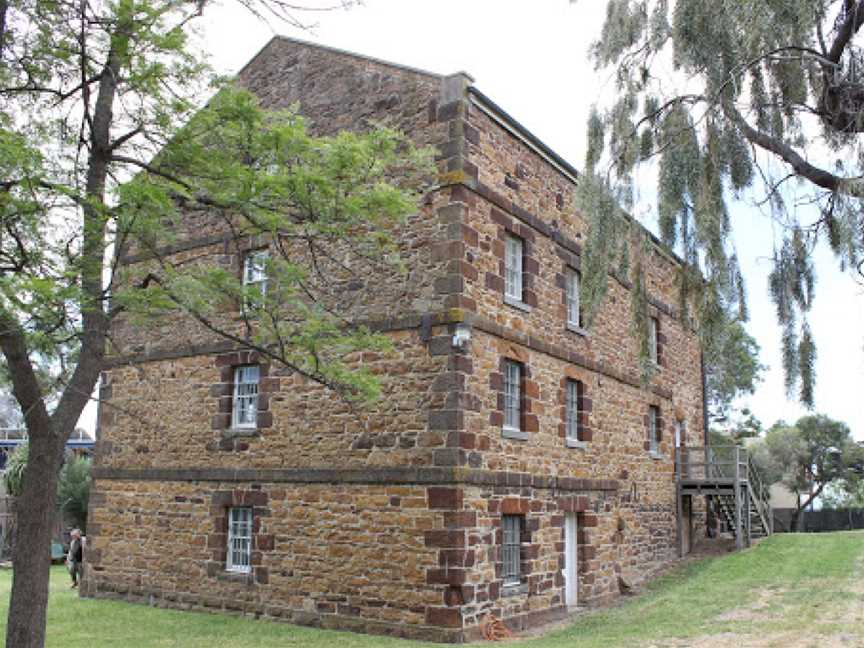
(32,550)
(794,520)
(34,512)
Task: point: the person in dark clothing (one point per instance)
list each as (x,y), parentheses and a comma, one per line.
(75,556)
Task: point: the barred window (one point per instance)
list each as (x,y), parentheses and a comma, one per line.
(654,428)
(653,330)
(573,408)
(511,554)
(513,251)
(512,395)
(245,405)
(239,540)
(255,277)
(574,308)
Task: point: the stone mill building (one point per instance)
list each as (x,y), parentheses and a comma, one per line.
(514,464)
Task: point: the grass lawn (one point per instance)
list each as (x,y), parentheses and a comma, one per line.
(789,591)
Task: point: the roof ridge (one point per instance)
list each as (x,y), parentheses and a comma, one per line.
(344,52)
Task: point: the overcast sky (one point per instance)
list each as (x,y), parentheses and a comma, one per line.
(530,58)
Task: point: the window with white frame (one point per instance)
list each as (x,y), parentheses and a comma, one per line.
(255,274)
(654,429)
(574,309)
(573,399)
(239,540)
(511,569)
(513,251)
(512,395)
(653,331)
(245,401)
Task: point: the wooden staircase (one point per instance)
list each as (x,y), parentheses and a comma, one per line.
(727,477)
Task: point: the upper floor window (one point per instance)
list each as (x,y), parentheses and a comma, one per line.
(654,429)
(239,539)
(513,253)
(255,272)
(653,339)
(245,402)
(512,395)
(573,409)
(511,568)
(574,308)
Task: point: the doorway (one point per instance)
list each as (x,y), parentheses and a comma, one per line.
(571,561)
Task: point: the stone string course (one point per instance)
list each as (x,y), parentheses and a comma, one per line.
(387,519)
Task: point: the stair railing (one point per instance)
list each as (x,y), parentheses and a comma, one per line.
(760,497)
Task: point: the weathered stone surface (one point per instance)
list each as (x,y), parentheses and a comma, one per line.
(388,519)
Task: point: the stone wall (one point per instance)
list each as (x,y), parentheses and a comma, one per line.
(176,413)
(388,518)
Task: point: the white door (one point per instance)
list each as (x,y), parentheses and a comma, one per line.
(571,556)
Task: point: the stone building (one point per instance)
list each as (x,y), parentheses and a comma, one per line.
(514,464)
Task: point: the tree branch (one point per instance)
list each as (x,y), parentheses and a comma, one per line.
(818,176)
(25,384)
(851,25)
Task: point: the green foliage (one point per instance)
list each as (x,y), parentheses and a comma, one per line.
(16,463)
(809,455)
(759,79)
(732,368)
(73,486)
(324,207)
(73,490)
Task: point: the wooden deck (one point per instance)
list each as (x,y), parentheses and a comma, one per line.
(726,477)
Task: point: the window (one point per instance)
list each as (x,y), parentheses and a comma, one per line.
(239,540)
(255,274)
(653,331)
(245,402)
(574,314)
(573,408)
(513,252)
(511,555)
(512,395)
(654,429)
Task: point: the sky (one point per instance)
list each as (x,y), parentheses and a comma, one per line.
(531,59)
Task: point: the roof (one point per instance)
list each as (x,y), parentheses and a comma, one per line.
(492,109)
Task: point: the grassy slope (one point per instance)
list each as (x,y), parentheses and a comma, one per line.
(792,580)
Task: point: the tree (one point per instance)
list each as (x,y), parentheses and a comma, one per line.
(13,475)
(808,456)
(103,151)
(73,490)
(732,369)
(764,101)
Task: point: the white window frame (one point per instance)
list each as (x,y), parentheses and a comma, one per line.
(239,553)
(244,404)
(574,308)
(514,250)
(653,429)
(572,410)
(511,549)
(512,396)
(255,273)
(653,341)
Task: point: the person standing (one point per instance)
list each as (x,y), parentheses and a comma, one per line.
(75,556)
